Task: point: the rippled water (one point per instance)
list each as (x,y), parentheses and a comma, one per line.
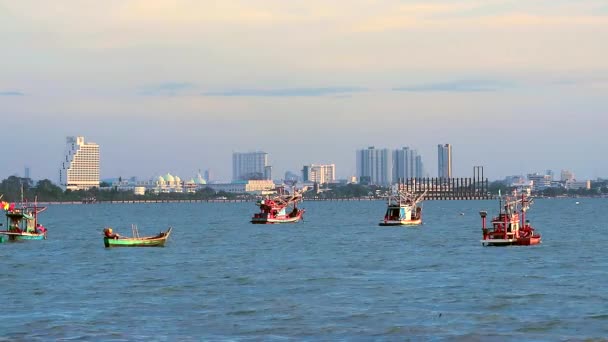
(335,276)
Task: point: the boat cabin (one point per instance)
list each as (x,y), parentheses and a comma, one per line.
(19,221)
(395,212)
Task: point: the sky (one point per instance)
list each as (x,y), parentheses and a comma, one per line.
(179,85)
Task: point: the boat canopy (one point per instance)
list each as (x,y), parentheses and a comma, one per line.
(19,215)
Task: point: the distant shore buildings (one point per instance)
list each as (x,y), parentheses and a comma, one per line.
(319,173)
(374,166)
(407,163)
(80,167)
(384,167)
(251,166)
(444,161)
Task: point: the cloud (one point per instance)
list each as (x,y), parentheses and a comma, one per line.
(459,86)
(11,93)
(167,89)
(287,92)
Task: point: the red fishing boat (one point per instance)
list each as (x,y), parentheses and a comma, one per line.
(281,208)
(510,227)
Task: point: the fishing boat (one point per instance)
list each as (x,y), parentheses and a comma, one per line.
(510,227)
(22,223)
(282,208)
(111,239)
(404,209)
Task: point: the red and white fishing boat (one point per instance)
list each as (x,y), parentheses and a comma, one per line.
(281,208)
(510,227)
(403,209)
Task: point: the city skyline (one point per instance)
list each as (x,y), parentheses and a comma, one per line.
(180,85)
(392,154)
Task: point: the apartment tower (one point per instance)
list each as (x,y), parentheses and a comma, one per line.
(444,166)
(250,166)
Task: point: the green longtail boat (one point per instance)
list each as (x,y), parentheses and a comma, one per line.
(114,240)
(22,224)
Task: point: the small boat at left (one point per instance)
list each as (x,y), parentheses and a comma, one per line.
(22,223)
(111,239)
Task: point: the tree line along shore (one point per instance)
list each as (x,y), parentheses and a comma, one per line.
(14,188)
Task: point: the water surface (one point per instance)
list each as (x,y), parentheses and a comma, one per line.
(337,275)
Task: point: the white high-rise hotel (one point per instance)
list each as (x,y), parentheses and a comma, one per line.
(80,167)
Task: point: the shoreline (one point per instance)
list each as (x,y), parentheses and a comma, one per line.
(356,199)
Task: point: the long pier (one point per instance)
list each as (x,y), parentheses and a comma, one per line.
(448,188)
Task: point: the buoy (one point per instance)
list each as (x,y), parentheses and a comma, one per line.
(577,202)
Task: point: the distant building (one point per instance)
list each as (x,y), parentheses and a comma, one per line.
(26,173)
(407,164)
(316,173)
(291,176)
(375,166)
(162,184)
(573,184)
(444,161)
(250,165)
(207,176)
(80,167)
(540,181)
(250,186)
(567,176)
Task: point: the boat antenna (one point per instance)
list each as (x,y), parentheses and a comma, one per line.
(36,211)
(499,202)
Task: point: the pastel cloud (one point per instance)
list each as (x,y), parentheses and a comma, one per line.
(11,93)
(167,89)
(287,92)
(458,86)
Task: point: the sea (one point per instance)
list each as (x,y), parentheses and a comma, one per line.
(335,276)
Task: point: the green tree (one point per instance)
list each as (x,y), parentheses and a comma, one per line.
(45,190)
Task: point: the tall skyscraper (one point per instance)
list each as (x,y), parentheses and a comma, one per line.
(250,165)
(80,167)
(375,166)
(26,172)
(406,164)
(319,173)
(444,165)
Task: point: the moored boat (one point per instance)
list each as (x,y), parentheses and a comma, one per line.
(282,208)
(510,227)
(404,209)
(22,223)
(112,239)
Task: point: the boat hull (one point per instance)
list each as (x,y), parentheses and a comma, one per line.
(153,241)
(528,241)
(264,220)
(533,240)
(6,236)
(400,222)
